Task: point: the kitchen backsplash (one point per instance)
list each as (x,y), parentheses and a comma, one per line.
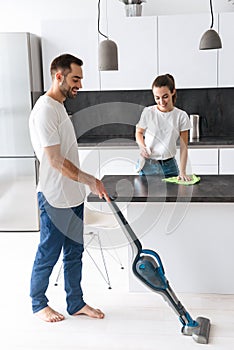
(115,113)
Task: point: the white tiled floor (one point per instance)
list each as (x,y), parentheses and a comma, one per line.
(139,321)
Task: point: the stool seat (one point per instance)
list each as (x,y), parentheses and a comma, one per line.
(99,219)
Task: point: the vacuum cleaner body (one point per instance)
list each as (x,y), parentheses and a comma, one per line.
(148,268)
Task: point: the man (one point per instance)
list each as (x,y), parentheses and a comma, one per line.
(60,192)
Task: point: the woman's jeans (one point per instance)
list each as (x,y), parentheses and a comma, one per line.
(165,168)
(60,228)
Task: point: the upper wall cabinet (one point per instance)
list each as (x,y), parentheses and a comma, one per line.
(179,54)
(136,38)
(78,37)
(226,54)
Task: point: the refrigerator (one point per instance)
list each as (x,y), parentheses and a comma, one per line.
(21,84)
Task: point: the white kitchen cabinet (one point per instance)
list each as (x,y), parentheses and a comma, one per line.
(77,37)
(136,38)
(226,161)
(226,54)
(203,161)
(100,162)
(118,162)
(178,49)
(89,161)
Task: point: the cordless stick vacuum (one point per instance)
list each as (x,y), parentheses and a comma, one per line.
(147,266)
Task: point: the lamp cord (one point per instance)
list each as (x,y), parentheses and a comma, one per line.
(212,15)
(105,36)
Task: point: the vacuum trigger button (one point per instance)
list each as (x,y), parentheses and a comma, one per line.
(142,266)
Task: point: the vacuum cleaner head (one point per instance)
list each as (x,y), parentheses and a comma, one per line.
(200,333)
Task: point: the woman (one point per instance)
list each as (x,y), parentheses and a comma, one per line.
(158,130)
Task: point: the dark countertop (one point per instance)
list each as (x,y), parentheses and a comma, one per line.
(109,142)
(105,142)
(214,141)
(134,188)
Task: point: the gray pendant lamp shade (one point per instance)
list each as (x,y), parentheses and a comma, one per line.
(107,51)
(107,55)
(210,39)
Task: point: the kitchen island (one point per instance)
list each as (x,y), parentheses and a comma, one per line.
(191,228)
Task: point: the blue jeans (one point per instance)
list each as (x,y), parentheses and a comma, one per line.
(60,228)
(165,168)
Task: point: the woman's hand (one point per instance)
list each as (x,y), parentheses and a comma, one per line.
(145,151)
(184,177)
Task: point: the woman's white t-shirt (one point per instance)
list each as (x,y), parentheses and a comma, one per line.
(49,125)
(162,130)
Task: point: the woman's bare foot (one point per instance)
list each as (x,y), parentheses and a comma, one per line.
(49,315)
(89,311)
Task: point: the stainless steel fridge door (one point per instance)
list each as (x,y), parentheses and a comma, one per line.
(18,197)
(15,95)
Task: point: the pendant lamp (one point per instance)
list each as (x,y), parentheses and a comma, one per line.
(210,39)
(107,51)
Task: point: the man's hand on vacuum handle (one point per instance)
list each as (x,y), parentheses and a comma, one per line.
(98,188)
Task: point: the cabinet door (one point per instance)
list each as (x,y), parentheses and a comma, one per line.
(136,38)
(178,46)
(118,162)
(202,161)
(77,37)
(89,161)
(226,54)
(226,162)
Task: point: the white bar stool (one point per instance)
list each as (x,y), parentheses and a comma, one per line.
(94,222)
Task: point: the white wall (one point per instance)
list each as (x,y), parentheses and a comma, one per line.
(26,15)
(169,7)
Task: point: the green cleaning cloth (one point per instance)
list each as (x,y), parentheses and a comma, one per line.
(174,179)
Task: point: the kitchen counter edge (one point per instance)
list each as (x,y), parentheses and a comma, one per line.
(132,145)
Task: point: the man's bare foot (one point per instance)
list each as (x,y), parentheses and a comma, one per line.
(49,315)
(89,311)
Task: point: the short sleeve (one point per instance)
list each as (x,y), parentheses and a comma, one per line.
(47,125)
(185,123)
(143,122)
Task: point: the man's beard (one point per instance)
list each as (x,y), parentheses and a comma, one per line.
(66,90)
(69,94)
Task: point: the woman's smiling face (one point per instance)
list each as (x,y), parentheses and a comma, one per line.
(163,98)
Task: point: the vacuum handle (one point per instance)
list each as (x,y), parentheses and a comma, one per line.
(129,233)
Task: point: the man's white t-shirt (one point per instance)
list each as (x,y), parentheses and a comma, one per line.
(162,130)
(49,125)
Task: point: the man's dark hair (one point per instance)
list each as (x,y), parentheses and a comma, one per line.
(63,62)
